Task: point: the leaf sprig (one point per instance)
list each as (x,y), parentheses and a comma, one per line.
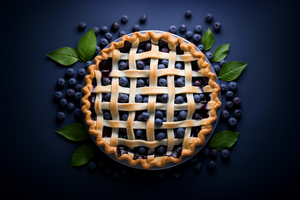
(223,140)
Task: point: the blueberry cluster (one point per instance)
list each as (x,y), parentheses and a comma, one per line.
(72,95)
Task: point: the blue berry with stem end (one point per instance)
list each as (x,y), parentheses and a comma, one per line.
(237,101)
(81,72)
(158,122)
(148,46)
(70,93)
(232,122)
(173,29)
(143,18)
(145,116)
(182,28)
(214,152)
(121,33)
(72,82)
(194,159)
(211,165)
(201,47)
(108,36)
(140,83)
(107,115)
(188,34)
(107,96)
(180,82)
(96,30)
(197,166)
(124,117)
(179,66)
(217,68)
(142,150)
(223,88)
(139,133)
(197,98)
(61,82)
(232,86)
(198,29)
(237,113)
(122,65)
(162,82)
(123,98)
(161,149)
(179,100)
(92,165)
(209,17)
(164,98)
(63,102)
(77,96)
(82,26)
(97,50)
(222,62)
(124,19)
(103,29)
(124,170)
(140,64)
(78,87)
(136,28)
(182,115)
(159,114)
(88,63)
(224,114)
(106,81)
(206,151)
(161,136)
(225,153)
(229,95)
(180,132)
(217,26)
(138,98)
(114,27)
(209,55)
(229,105)
(103,42)
(58,95)
(123,81)
(77,112)
(70,72)
(196,38)
(188,14)
(61,116)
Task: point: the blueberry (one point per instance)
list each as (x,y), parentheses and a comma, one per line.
(96,30)
(123,98)
(72,82)
(161,66)
(139,133)
(236,101)
(124,117)
(164,98)
(232,86)
(70,93)
(206,151)
(165,62)
(223,88)
(197,83)
(222,62)
(145,116)
(61,116)
(165,49)
(58,95)
(63,102)
(179,100)
(77,96)
(209,55)
(197,166)
(61,82)
(145,100)
(162,82)
(147,81)
(107,115)
(124,170)
(123,81)
(201,47)
(82,26)
(114,27)
(178,66)
(229,105)
(88,63)
(108,36)
(180,82)
(175,119)
(201,96)
(143,18)
(224,114)
(232,122)
(122,65)
(161,136)
(194,159)
(161,149)
(180,132)
(124,19)
(70,72)
(217,68)
(198,29)
(77,112)
(106,81)
(103,29)
(138,98)
(103,42)
(142,150)
(217,26)
(209,17)
(229,95)
(121,33)
(140,64)
(188,14)
(212,165)
(173,29)
(225,154)
(176,174)
(182,115)
(158,122)
(92,165)
(164,119)
(188,34)
(182,28)
(78,88)
(159,114)
(101,163)
(214,152)
(197,98)
(136,28)
(107,97)
(147,67)
(97,51)
(148,46)
(81,72)
(197,115)
(237,113)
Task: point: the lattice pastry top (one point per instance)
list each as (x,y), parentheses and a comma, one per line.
(150,99)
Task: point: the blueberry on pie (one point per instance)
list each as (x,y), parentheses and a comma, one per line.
(150,99)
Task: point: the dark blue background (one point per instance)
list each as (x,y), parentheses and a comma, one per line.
(264,163)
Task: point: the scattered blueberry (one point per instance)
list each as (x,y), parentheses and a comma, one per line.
(173,29)
(124,170)
(108,36)
(229,95)
(212,165)
(214,152)
(182,28)
(61,116)
(206,151)
(209,17)
(160,174)
(188,14)
(161,66)
(77,112)
(232,86)
(145,116)
(63,102)
(103,42)
(237,113)
(70,72)
(77,96)
(224,114)
(225,154)
(123,98)
(100,163)
(194,159)
(96,30)
(229,105)
(209,55)
(161,135)
(88,63)
(92,165)
(136,28)
(232,122)
(197,166)
(158,122)
(70,93)
(142,150)
(164,98)
(121,33)
(58,95)
(81,72)
(217,26)
(114,27)
(107,115)
(140,64)
(97,51)
(106,81)
(123,81)
(162,82)
(138,98)
(180,132)
(222,62)
(176,174)
(122,65)
(72,82)
(179,66)
(197,98)
(61,82)
(217,68)
(201,47)
(124,19)
(223,88)
(188,34)
(143,18)
(82,25)
(198,29)
(78,87)
(236,101)
(145,100)
(107,97)
(103,29)
(179,100)
(182,115)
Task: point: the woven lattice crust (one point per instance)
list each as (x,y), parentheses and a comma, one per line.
(188,143)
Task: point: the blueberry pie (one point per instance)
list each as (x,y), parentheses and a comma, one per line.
(150,99)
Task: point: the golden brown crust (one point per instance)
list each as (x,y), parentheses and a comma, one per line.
(189,143)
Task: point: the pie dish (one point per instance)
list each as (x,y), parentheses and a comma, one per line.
(136,138)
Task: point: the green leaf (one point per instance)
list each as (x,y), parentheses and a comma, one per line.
(223,140)
(208,39)
(65,56)
(82,155)
(220,53)
(74,132)
(87,46)
(231,70)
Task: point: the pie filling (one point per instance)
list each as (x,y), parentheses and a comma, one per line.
(201,110)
